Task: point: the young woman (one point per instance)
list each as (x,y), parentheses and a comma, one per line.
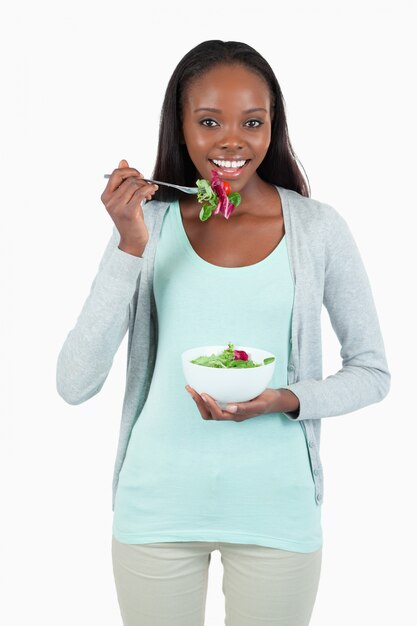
(190,477)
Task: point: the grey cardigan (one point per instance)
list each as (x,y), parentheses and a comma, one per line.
(327,269)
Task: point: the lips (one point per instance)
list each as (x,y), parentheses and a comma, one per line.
(229,168)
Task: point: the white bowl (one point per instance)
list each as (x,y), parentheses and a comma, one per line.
(228,384)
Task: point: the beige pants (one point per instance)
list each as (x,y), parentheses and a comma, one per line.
(165,584)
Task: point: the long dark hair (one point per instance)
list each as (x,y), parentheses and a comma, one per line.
(173,163)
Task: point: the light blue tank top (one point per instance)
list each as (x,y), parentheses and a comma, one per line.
(189,479)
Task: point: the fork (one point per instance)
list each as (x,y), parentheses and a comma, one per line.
(158,182)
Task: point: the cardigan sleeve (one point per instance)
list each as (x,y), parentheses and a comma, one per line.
(364,377)
(87,354)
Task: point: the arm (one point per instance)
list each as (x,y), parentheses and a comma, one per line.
(87,354)
(88,351)
(364,377)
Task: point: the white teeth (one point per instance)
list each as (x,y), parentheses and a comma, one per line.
(232,164)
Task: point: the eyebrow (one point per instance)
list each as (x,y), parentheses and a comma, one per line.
(219,110)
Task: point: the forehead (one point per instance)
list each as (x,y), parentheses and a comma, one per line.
(226,84)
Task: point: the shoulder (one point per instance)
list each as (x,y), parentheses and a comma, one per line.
(314,223)
(310,213)
(317,227)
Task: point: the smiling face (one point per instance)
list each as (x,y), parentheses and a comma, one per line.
(227,124)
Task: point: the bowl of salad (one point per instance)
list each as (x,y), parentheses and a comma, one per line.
(228,374)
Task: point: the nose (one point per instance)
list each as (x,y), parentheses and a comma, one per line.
(231,138)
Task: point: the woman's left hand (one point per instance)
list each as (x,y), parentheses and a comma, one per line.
(266,402)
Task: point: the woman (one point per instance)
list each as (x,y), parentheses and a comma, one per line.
(191,478)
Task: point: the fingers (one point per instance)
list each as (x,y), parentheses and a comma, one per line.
(201,405)
(134,188)
(209,409)
(126,184)
(120,174)
(213,408)
(123,197)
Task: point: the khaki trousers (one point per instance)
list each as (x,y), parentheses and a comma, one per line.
(165,584)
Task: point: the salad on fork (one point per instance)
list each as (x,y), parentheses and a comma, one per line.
(216,197)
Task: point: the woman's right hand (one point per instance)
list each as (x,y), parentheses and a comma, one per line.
(122,197)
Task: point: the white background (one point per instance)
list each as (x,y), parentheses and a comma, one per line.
(83,84)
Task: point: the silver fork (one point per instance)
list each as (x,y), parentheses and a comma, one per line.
(158,182)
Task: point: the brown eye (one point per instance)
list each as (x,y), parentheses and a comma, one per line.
(254,123)
(208,122)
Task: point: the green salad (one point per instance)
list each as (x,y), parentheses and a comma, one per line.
(230,358)
(216,197)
